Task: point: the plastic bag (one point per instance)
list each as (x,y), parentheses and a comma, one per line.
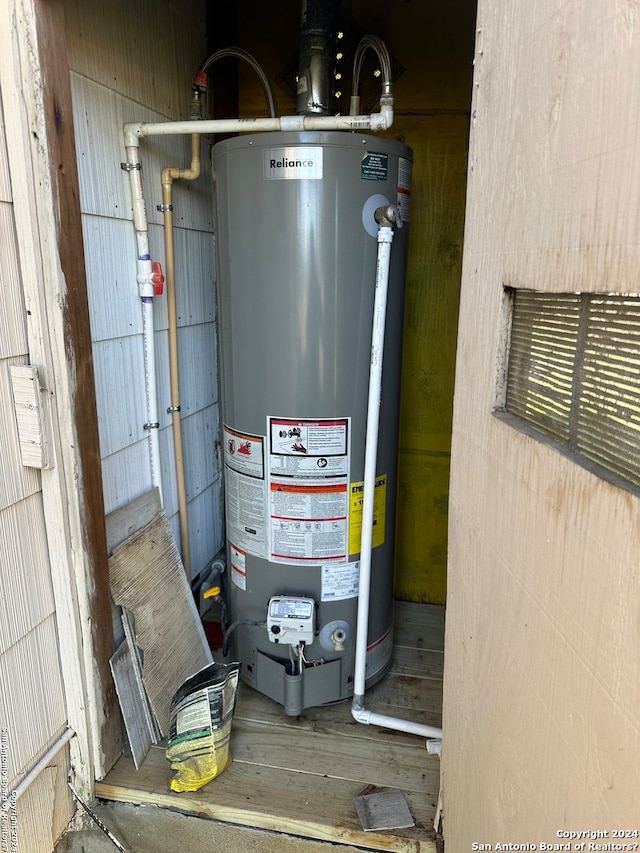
(200,726)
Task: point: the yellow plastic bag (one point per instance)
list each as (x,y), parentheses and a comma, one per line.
(200,726)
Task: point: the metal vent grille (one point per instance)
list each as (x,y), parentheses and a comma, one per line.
(574,373)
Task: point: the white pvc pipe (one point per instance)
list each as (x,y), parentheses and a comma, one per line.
(150,390)
(385,238)
(146,289)
(358,711)
(377,121)
(31,775)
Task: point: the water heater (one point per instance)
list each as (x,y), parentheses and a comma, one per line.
(297,247)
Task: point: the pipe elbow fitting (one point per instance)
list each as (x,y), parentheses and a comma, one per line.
(132,134)
(359,712)
(382,120)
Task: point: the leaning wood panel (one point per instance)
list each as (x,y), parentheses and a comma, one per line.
(127,520)
(136,714)
(147,578)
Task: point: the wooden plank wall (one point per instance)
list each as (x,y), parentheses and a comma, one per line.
(32,702)
(434,43)
(542,697)
(125,70)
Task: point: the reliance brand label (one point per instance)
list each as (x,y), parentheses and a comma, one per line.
(292,164)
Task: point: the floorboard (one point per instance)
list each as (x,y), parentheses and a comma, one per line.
(300,775)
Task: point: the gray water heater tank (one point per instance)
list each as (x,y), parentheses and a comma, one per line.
(297,248)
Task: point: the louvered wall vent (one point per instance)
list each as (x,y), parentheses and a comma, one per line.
(573,373)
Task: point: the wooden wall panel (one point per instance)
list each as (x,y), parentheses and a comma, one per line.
(429,344)
(122,473)
(119,392)
(114,305)
(198,377)
(201,456)
(25,580)
(542,700)
(115,46)
(195,274)
(206,521)
(32,706)
(5,180)
(13,333)
(43,810)
(123,73)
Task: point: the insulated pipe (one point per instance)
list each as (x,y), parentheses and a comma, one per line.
(385,216)
(170,174)
(383,120)
(145,278)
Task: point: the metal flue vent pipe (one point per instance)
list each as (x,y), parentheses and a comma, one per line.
(316,56)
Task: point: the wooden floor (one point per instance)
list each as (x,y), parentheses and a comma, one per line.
(300,775)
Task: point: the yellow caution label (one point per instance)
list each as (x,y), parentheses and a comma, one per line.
(356,497)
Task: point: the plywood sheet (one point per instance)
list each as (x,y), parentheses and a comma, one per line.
(133,702)
(122,523)
(148,579)
(543,584)
(386,809)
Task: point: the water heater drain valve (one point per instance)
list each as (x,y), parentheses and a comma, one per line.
(291,619)
(339,638)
